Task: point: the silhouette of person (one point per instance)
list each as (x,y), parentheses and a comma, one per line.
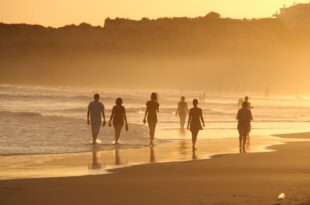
(152,108)
(239,104)
(244,118)
(119,117)
(182,111)
(246,99)
(194,121)
(95,110)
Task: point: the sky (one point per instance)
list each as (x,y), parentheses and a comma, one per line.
(58,13)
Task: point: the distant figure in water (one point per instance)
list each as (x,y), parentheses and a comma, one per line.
(119,118)
(239,104)
(182,111)
(194,121)
(246,99)
(95,110)
(244,118)
(152,108)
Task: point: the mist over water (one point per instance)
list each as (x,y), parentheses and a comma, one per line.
(39,119)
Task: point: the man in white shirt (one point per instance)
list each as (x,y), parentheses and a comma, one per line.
(95,110)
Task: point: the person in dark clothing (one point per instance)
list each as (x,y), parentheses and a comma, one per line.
(152,108)
(119,118)
(244,118)
(194,122)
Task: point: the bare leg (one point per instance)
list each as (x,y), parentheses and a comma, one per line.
(244,138)
(182,121)
(118,130)
(152,127)
(95,135)
(194,139)
(240,138)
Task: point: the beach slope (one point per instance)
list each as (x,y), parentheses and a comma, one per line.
(254,179)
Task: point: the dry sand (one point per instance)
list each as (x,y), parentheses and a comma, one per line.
(255,178)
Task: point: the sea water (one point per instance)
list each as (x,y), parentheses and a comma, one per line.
(48,120)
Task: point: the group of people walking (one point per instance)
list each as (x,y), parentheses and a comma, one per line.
(195,118)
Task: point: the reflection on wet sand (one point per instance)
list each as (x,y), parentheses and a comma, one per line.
(100,161)
(95,164)
(194,156)
(117,157)
(152,155)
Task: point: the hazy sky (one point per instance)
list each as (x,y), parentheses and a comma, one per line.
(62,12)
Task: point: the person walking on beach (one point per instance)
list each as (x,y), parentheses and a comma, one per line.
(95,110)
(244,118)
(182,111)
(194,122)
(152,108)
(119,118)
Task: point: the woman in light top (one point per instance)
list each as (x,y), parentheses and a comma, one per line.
(195,119)
(119,118)
(152,108)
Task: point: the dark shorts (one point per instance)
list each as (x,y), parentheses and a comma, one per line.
(244,130)
(95,127)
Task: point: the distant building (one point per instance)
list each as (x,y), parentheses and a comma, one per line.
(297,15)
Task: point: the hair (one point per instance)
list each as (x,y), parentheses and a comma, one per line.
(119,101)
(183,98)
(96,96)
(246,97)
(195,102)
(245,105)
(154,96)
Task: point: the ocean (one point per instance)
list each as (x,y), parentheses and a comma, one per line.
(50,120)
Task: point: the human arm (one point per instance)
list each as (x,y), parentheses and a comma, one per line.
(88,114)
(251,116)
(177,111)
(189,119)
(111,117)
(103,116)
(238,115)
(145,114)
(186,108)
(125,118)
(201,118)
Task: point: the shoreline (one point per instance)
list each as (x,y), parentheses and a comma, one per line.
(101,161)
(234,179)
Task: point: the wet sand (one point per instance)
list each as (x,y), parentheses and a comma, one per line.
(247,178)
(105,158)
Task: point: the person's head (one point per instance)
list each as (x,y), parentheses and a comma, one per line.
(246,98)
(154,96)
(195,102)
(96,97)
(245,105)
(119,101)
(182,98)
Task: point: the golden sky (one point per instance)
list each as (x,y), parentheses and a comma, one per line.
(62,12)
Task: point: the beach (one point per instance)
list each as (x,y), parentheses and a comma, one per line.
(246,178)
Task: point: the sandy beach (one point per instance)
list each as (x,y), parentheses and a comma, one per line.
(251,178)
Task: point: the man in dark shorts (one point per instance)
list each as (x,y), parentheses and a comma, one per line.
(95,110)
(244,118)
